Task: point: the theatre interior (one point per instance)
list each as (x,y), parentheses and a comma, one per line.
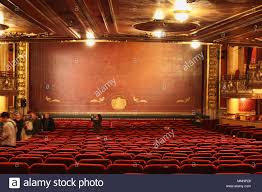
(176,86)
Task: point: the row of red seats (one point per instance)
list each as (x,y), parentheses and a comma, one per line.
(134,147)
(83,168)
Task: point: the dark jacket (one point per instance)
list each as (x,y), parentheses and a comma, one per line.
(48,124)
(20,124)
(37,126)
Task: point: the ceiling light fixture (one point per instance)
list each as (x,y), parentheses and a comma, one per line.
(2,25)
(195,44)
(90,39)
(159,15)
(181,10)
(159,34)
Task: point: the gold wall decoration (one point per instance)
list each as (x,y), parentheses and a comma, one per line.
(99,100)
(137,100)
(186,100)
(22,72)
(118,103)
(50,100)
(213,80)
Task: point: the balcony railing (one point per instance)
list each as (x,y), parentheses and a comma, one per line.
(245,86)
(7,83)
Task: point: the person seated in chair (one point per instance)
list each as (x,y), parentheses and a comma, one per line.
(48,123)
(97,122)
(37,124)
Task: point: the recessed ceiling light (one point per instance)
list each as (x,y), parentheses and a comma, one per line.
(181,10)
(159,15)
(1,17)
(195,44)
(90,41)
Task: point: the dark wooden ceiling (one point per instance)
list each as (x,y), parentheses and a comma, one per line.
(227,21)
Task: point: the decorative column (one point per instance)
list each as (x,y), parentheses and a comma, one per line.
(212,80)
(3,63)
(235,61)
(22,74)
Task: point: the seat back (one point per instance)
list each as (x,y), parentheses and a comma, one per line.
(198,169)
(104,162)
(161,169)
(60,160)
(43,168)
(13,168)
(82,168)
(235,168)
(124,168)
(27,160)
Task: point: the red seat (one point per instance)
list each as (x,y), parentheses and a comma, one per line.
(3,159)
(225,154)
(31,155)
(136,151)
(43,168)
(161,169)
(104,162)
(254,157)
(175,155)
(7,155)
(218,162)
(163,161)
(60,155)
(119,156)
(44,153)
(86,169)
(252,161)
(28,160)
(247,154)
(147,156)
(124,168)
(114,151)
(200,155)
(198,169)
(88,156)
(205,158)
(195,161)
(235,168)
(140,162)
(258,167)
(60,160)
(13,168)
(241,158)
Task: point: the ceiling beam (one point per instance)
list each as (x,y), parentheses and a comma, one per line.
(20,12)
(113,15)
(245,32)
(86,13)
(79,15)
(103,14)
(52,14)
(241,20)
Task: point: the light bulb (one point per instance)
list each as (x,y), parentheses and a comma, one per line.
(159,34)
(159,15)
(90,39)
(195,44)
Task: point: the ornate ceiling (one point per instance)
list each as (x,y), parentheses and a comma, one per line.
(229,21)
